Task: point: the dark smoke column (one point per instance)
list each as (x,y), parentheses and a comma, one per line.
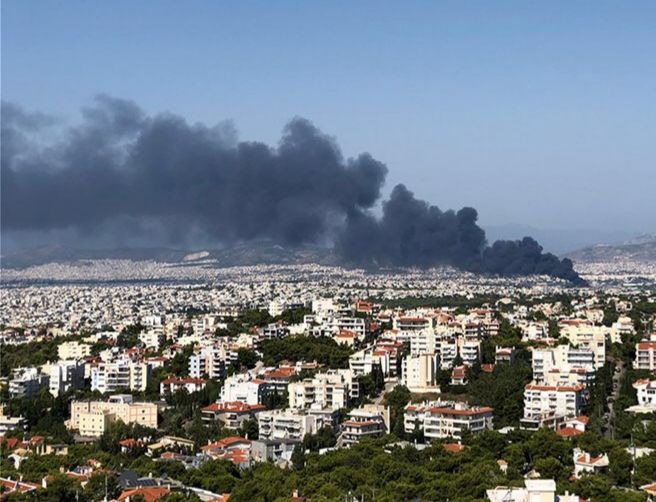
(121,172)
(412,232)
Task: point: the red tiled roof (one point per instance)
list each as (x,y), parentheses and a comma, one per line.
(588,459)
(468,412)
(568,432)
(11,486)
(150,493)
(226,443)
(279,373)
(355,423)
(453,447)
(237,456)
(555,388)
(234,407)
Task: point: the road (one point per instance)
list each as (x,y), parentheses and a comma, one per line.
(618,376)
(389,386)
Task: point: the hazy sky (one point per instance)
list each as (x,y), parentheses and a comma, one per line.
(539,113)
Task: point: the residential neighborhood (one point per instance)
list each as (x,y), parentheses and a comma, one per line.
(195,391)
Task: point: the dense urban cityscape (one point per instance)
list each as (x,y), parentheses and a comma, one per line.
(126,380)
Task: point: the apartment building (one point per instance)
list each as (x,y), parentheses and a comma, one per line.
(27,382)
(586,336)
(363,362)
(231,415)
(504,355)
(274,330)
(470,351)
(120,374)
(244,388)
(646,391)
(563,401)
(173,384)
(548,364)
(533,331)
(645,358)
(621,328)
(64,376)
(91,418)
(448,352)
(353,324)
(289,424)
(419,372)
(369,421)
(423,341)
(152,338)
(73,350)
(331,390)
(408,324)
(9,423)
(448,419)
(211,361)
(584,463)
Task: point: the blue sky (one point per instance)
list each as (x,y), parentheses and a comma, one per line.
(536,113)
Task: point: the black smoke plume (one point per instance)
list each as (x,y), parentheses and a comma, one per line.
(121,171)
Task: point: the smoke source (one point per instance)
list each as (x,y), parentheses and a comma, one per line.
(121,172)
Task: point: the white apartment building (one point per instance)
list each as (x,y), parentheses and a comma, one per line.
(120,374)
(620,328)
(645,358)
(9,423)
(448,351)
(419,373)
(540,400)
(173,384)
(646,391)
(408,323)
(324,307)
(353,324)
(211,361)
(331,390)
(151,338)
(561,359)
(586,336)
(244,388)
(288,424)
(27,382)
(534,331)
(73,350)
(469,351)
(232,415)
(369,421)
(91,418)
(584,462)
(363,361)
(448,419)
(424,341)
(536,490)
(64,376)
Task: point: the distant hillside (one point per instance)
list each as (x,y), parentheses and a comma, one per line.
(236,255)
(642,248)
(271,254)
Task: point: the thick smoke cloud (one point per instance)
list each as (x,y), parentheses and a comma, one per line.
(123,171)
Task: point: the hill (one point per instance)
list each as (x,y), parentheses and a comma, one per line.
(642,249)
(230,256)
